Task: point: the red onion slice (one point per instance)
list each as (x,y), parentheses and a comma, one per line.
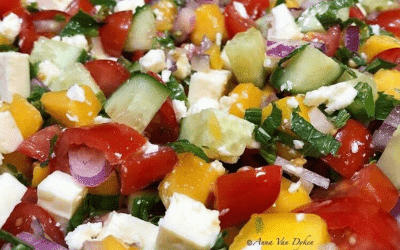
(396,211)
(382,136)
(37,82)
(185,23)
(320,121)
(48,26)
(92,245)
(39,243)
(89,166)
(352,38)
(282,48)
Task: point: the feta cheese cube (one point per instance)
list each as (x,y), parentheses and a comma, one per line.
(188,224)
(154,61)
(130,230)
(211,84)
(165,75)
(128,5)
(84,232)
(183,67)
(100,120)
(10,135)
(202,104)
(60,194)
(11,193)
(284,26)
(48,72)
(77,41)
(14,75)
(60,5)
(180,109)
(10,27)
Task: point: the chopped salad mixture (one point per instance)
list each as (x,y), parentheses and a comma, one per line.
(199,124)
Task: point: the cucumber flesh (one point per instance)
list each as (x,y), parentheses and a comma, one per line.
(307,70)
(143,30)
(389,162)
(137,101)
(60,54)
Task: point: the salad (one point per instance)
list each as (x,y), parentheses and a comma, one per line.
(210,124)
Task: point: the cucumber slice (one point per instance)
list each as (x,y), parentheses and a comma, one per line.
(60,54)
(76,73)
(143,30)
(361,77)
(246,54)
(308,21)
(378,5)
(307,70)
(137,101)
(223,136)
(389,162)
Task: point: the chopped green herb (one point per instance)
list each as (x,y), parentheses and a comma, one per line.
(181,146)
(339,118)
(17,243)
(108,3)
(384,105)
(268,155)
(324,143)
(253,115)
(306,150)
(32,7)
(363,106)
(278,2)
(81,23)
(344,55)
(180,3)
(177,90)
(378,64)
(59,18)
(11,169)
(7,48)
(34,99)
(166,41)
(148,207)
(53,142)
(264,133)
(34,69)
(220,243)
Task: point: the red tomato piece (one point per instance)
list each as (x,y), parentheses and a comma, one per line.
(84,5)
(355,12)
(234,22)
(370,184)
(117,141)
(390,55)
(355,224)
(30,196)
(355,150)
(136,55)
(388,20)
(7,6)
(255,8)
(164,127)
(139,171)
(46,30)
(241,194)
(24,214)
(37,146)
(331,39)
(109,75)
(115,31)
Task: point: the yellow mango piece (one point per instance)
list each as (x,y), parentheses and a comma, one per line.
(388,81)
(69,112)
(39,174)
(292,4)
(27,117)
(165,11)
(110,243)
(209,22)
(378,43)
(191,176)
(110,186)
(289,199)
(22,162)
(4,40)
(215,57)
(283,231)
(248,96)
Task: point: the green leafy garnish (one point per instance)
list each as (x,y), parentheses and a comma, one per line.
(339,118)
(182,146)
(378,64)
(11,169)
(306,150)
(17,243)
(324,143)
(180,3)
(253,115)
(34,69)
(344,55)
(34,99)
(53,142)
(148,208)
(7,48)
(81,23)
(59,18)
(177,90)
(108,3)
(278,2)
(132,67)
(384,105)
(32,7)
(265,132)
(268,155)
(166,41)
(363,106)
(220,243)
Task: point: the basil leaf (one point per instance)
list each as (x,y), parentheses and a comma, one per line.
(148,208)
(34,99)
(17,243)
(278,2)
(268,155)
(253,115)
(181,146)
(324,143)
(384,105)
(264,133)
(81,23)
(34,69)
(378,64)
(363,106)
(32,7)
(177,90)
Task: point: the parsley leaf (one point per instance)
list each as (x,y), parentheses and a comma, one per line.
(81,23)
(384,105)
(108,3)
(34,99)
(7,48)
(181,146)
(165,41)
(32,7)
(264,133)
(344,55)
(34,69)
(324,143)
(177,90)
(339,118)
(306,150)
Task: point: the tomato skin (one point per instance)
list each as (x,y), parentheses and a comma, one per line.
(7,6)
(346,162)
(114,33)
(30,196)
(331,39)
(369,184)
(37,146)
(241,194)
(355,224)
(84,5)
(24,214)
(390,55)
(108,74)
(117,141)
(388,20)
(235,23)
(139,171)
(355,12)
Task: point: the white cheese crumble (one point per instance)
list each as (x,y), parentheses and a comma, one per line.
(354,147)
(223,151)
(218,39)
(300,217)
(180,109)
(294,187)
(128,5)
(375,29)
(150,148)
(100,120)
(154,61)
(292,102)
(84,232)
(159,14)
(226,102)
(72,118)
(241,10)
(284,25)
(288,85)
(118,155)
(202,104)
(165,75)
(298,144)
(76,93)
(10,27)
(217,165)
(77,41)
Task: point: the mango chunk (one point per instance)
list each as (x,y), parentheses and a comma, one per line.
(70,112)
(39,173)
(378,43)
(388,81)
(110,186)
(192,176)
(247,96)
(283,231)
(165,11)
(215,57)
(291,196)
(22,162)
(111,243)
